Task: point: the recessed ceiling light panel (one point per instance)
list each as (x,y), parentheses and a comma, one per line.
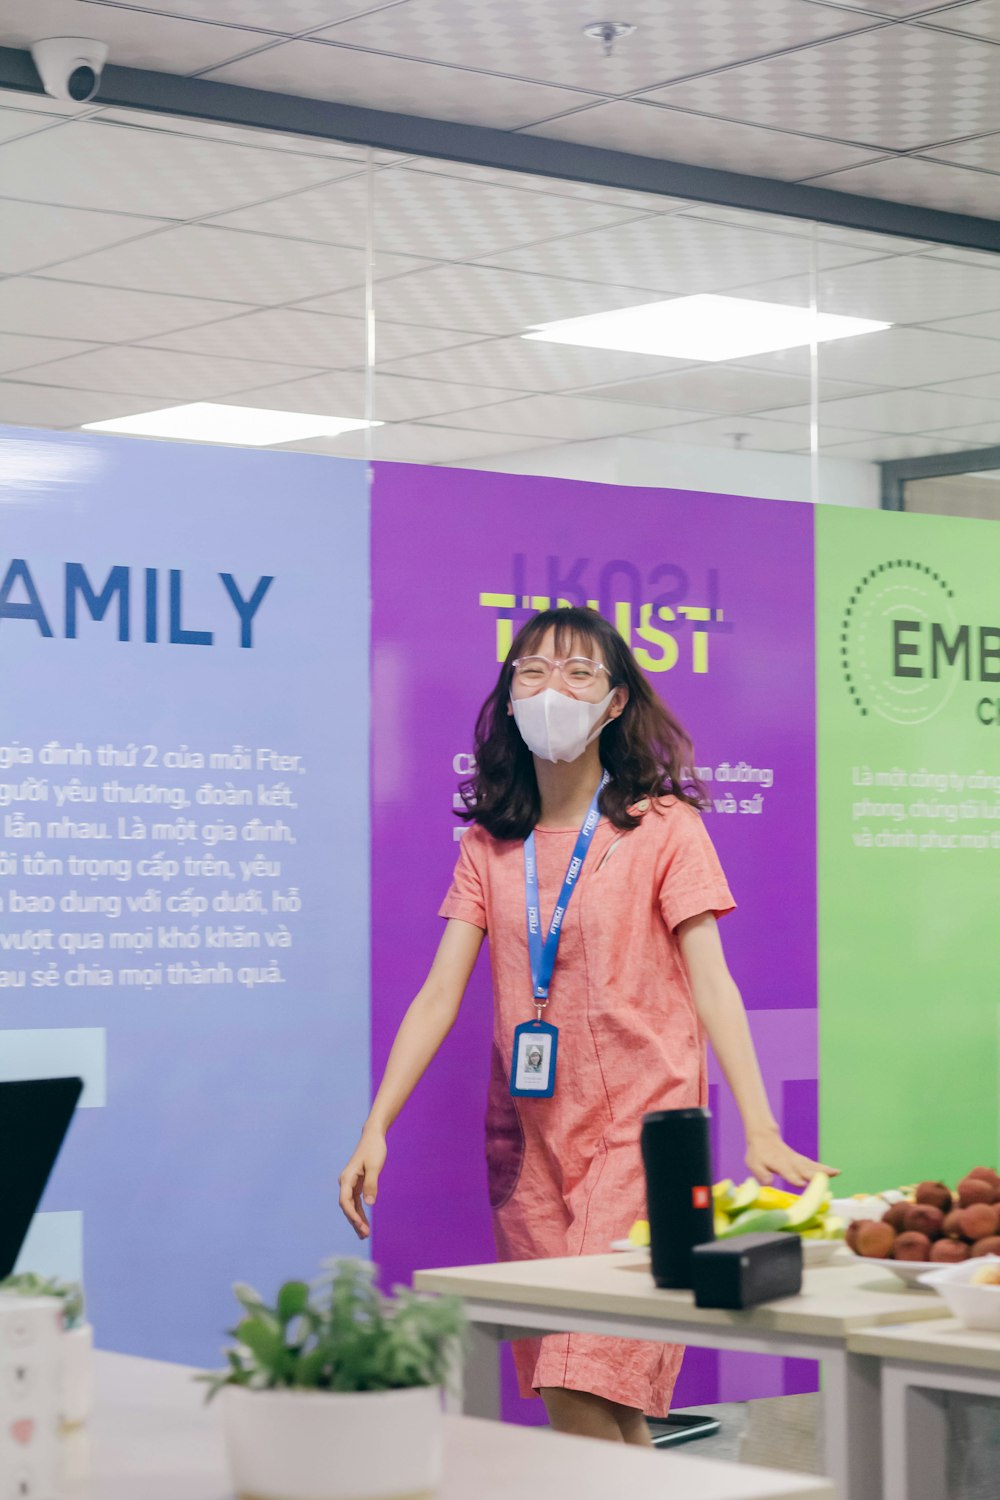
(245,426)
(706,327)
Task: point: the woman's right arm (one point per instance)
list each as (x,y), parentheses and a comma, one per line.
(427,1022)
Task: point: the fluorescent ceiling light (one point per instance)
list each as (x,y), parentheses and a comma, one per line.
(705,327)
(212,422)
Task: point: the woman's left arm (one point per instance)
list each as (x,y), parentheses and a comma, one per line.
(720,1007)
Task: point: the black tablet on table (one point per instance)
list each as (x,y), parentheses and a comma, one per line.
(34,1118)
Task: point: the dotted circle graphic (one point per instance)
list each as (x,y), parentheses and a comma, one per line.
(900,589)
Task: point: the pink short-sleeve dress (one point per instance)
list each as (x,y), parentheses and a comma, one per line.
(565,1173)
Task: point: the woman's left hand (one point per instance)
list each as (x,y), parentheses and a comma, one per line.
(768,1157)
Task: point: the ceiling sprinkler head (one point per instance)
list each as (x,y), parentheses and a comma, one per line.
(609,32)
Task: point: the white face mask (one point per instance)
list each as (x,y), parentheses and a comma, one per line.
(556,727)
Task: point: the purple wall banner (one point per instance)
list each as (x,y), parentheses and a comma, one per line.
(715,595)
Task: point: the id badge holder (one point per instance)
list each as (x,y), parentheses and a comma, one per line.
(533,1068)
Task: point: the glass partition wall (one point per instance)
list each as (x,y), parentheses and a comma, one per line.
(427,311)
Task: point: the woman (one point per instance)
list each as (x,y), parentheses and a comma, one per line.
(588,864)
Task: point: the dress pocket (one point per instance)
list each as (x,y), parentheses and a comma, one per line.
(504,1135)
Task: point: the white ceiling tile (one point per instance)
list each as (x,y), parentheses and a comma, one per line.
(724,388)
(16,122)
(985,325)
(899,10)
(955,255)
(58,309)
(525,365)
(860,239)
(676,254)
(930,184)
(981,18)
(45,406)
(310,338)
(425,214)
(200,260)
(136,38)
(342,394)
(560,187)
(568,418)
(482,299)
(701,140)
(285,17)
(40,104)
(88,164)
(983,151)
(887,449)
(244,135)
(322,70)
(136,371)
(18,350)
(897,88)
(416,443)
(744,431)
(979,435)
(902,357)
(36,234)
(905,289)
(543,39)
(913,411)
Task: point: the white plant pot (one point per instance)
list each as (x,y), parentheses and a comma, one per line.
(318,1445)
(76,1375)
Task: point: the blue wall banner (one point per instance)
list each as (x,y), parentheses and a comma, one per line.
(184,859)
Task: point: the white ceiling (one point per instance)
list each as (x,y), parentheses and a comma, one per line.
(146,260)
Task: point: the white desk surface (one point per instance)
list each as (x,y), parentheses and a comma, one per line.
(835,1301)
(946,1343)
(152,1438)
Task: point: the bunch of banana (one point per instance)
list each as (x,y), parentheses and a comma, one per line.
(754,1209)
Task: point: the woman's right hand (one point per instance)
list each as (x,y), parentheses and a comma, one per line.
(359,1180)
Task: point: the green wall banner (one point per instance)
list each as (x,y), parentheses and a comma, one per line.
(908,664)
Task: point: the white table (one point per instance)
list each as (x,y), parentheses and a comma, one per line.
(919,1364)
(615,1294)
(152,1438)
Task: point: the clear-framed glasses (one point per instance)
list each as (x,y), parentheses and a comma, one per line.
(578,672)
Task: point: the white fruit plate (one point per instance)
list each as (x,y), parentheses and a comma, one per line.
(909,1271)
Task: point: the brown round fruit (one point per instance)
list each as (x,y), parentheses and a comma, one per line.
(875,1239)
(987,1174)
(988,1246)
(924,1219)
(952,1225)
(975,1190)
(979,1221)
(936,1194)
(896,1215)
(851,1234)
(912,1246)
(949,1251)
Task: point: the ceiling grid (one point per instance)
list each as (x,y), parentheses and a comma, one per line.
(148,260)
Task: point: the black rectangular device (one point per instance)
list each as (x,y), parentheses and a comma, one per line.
(34,1118)
(747,1269)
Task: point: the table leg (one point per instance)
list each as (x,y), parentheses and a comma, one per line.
(852,1425)
(475,1374)
(914,1438)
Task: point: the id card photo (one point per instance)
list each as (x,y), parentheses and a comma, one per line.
(533,1061)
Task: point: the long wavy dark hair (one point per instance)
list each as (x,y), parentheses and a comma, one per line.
(645,749)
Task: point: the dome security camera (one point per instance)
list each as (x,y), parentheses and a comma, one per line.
(70,67)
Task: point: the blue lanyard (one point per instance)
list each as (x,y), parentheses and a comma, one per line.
(543,957)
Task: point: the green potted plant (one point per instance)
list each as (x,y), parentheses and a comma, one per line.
(76,1346)
(334,1392)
